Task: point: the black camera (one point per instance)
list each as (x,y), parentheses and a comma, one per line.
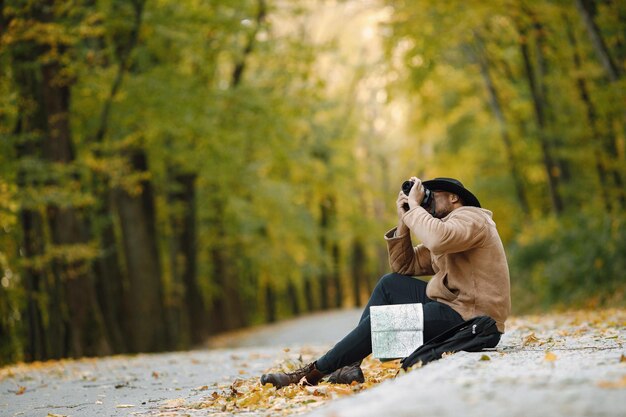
(428,195)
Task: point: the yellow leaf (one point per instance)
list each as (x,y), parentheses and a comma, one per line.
(20,391)
(485,358)
(620,383)
(173,403)
(622,359)
(390,364)
(530,339)
(341,389)
(550,357)
(250,400)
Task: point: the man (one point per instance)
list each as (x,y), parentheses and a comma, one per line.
(462,251)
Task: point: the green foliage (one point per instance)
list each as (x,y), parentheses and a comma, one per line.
(294,162)
(577,261)
(577,256)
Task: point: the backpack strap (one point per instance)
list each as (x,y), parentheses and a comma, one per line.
(472,335)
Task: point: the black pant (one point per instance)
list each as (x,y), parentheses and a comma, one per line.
(391,289)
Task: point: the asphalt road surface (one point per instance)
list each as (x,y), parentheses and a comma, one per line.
(569,364)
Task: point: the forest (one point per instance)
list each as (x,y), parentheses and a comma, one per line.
(172,169)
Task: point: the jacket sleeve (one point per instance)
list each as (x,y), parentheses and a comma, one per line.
(406,259)
(462,229)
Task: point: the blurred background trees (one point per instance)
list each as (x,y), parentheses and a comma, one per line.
(173,169)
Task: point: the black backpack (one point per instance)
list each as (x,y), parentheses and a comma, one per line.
(471,336)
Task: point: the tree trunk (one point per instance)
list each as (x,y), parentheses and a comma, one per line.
(184,252)
(324,279)
(294,300)
(539,105)
(336,275)
(228,311)
(592,117)
(309,296)
(68,227)
(496,107)
(587,11)
(358,270)
(270,303)
(110,277)
(72,307)
(145,299)
(32,246)
(240,65)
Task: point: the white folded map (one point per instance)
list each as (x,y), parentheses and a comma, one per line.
(397,330)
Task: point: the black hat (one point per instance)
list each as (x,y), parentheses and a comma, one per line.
(453,186)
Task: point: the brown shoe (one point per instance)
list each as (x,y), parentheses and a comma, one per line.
(347,375)
(308,375)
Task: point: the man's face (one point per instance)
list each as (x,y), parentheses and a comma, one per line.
(441,204)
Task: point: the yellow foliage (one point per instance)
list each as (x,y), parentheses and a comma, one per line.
(248,395)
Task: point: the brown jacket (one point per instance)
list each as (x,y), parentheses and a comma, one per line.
(464,253)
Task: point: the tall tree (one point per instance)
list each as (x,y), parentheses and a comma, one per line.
(535,74)
(592,116)
(40,69)
(587,10)
(496,107)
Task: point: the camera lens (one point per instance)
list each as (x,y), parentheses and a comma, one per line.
(428,195)
(406,186)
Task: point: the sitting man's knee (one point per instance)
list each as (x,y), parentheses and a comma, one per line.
(386,279)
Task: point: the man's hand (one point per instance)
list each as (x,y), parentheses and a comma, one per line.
(416,195)
(400,202)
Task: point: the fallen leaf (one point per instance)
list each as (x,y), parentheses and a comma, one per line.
(390,364)
(56,415)
(250,399)
(485,358)
(341,389)
(173,403)
(550,357)
(20,391)
(155,375)
(530,339)
(620,383)
(622,358)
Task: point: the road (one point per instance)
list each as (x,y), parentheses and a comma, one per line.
(568,364)
(134,385)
